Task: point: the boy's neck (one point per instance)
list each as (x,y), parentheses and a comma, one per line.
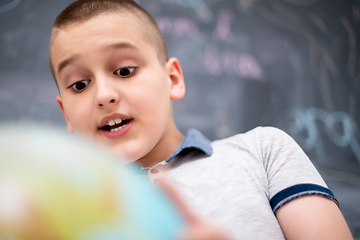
(163,149)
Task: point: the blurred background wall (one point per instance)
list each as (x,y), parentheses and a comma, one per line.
(293,64)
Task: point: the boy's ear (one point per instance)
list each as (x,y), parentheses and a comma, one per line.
(69,126)
(175,74)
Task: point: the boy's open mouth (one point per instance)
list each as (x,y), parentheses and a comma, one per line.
(115,125)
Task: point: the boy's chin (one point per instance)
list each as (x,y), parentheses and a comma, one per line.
(113,151)
(125,159)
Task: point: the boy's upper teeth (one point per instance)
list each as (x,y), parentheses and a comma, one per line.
(114,121)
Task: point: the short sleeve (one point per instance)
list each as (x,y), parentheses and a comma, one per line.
(290,172)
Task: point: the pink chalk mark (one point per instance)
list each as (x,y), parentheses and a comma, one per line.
(230,63)
(177,27)
(223,26)
(249,67)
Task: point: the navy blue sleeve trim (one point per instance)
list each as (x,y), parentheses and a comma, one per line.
(299,190)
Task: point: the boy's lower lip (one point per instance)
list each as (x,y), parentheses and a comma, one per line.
(119,133)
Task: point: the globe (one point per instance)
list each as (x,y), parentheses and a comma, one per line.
(55,187)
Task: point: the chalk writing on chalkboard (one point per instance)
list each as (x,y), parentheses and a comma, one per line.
(198,5)
(231,63)
(8,6)
(306,121)
(216,62)
(177,27)
(225,18)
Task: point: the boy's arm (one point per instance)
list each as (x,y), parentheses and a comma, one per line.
(289,169)
(312,217)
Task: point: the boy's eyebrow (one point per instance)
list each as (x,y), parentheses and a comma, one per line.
(120,45)
(111,47)
(66,62)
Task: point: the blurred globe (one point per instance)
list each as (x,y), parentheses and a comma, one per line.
(54,187)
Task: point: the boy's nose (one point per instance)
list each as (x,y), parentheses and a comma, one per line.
(106,95)
(103,103)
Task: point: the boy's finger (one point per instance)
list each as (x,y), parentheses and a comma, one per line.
(174,196)
(197,228)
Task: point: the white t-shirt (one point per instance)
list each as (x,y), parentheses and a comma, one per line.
(239,182)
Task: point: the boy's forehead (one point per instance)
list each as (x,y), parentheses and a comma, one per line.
(113,31)
(121,23)
(103,22)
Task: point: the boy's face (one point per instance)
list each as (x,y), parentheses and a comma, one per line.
(107,74)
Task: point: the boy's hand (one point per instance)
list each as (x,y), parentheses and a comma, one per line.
(200,229)
(196,228)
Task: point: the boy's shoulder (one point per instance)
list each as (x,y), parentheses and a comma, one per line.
(254,144)
(260,134)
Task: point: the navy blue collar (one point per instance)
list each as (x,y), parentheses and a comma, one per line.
(193,139)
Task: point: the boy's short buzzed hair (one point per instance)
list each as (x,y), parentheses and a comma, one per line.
(83,10)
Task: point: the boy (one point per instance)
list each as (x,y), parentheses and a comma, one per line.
(117,85)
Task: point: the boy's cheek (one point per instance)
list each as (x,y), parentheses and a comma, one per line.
(62,107)
(69,128)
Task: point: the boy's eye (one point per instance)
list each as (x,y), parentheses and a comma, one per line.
(80,85)
(125,71)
